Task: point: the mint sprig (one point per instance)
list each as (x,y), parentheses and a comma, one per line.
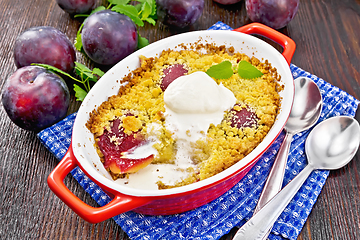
(130,11)
(147,10)
(85,74)
(248,71)
(224,70)
(143,10)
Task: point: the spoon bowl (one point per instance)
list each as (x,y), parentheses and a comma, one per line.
(307,106)
(331,145)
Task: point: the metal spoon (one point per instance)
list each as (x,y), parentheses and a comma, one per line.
(330,145)
(305,113)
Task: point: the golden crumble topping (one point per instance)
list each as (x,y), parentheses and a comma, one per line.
(140,106)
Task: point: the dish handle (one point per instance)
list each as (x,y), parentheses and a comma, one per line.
(257,28)
(120,203)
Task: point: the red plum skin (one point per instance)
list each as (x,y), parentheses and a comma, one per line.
(47,45)
(35,98)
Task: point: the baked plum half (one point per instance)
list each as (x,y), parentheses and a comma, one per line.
(171,73)
(115,144)
(242,117)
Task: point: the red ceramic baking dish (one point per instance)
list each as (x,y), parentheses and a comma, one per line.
(82,152)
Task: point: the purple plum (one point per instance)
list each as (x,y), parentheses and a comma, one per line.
(273,13)
(227,2)
(35,98)
(46,45)
(108,37)
(179,13)
(76,6)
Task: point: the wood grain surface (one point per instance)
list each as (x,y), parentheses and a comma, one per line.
(328,45)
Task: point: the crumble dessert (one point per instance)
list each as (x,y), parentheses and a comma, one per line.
(171,124)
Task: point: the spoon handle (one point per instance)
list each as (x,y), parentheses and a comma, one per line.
(259,225)
(275,179)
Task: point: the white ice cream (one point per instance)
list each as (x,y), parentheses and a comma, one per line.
(192,103)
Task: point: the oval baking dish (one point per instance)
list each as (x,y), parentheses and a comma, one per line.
(82,152)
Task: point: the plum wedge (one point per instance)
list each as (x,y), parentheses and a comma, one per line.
(243,117)
(171,73)
(115,144)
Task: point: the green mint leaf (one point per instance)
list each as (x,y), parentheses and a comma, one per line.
(145,10)
(153,7)
(247,71)
(80,93)
(129,11)
(150,20)
(222,70)
(85,76)
(142,42)
(98,9)
(84,72)
(138,7)
(82,67)
(78,43)
(98,72)
(118,2)
(151,3)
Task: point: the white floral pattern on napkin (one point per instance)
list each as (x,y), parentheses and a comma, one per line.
(233,208)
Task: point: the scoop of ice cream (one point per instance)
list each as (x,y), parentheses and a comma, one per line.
(193,102)
(197,93)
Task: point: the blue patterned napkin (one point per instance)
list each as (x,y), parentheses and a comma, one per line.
(236,206)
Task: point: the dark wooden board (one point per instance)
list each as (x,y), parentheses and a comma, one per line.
(328,45)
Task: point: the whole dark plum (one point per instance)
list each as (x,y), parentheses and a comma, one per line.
(273,13)
(179,13)
(44,44)
(76,6)
(35,98)
(108,37)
